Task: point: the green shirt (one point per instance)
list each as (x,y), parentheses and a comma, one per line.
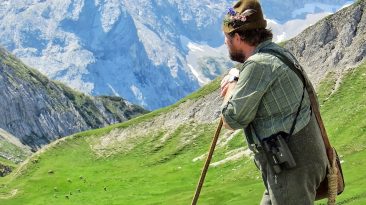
(267,96)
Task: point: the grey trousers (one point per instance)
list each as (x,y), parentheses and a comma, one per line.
(297,185)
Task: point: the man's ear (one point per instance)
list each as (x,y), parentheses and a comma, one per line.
(237,37)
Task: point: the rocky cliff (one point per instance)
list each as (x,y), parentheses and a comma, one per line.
(38,111)
(333,45)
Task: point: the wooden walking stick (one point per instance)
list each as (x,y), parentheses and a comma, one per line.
(207,163)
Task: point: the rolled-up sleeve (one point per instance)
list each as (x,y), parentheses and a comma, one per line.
(242,107)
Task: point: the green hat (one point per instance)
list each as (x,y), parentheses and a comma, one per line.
(245,15)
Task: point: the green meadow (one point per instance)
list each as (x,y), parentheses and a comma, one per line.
(156,171)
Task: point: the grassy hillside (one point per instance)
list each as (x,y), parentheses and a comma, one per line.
(158,167)
(344,114)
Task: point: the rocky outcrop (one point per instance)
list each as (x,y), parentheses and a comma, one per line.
(335,44)
(12,149)
(202,110)
(38,111)
(4,170)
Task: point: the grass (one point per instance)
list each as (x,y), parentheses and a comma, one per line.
(7,163)
(326,87)
(162,172)
(344,112)
(145,175)
(344,118)
(283,43)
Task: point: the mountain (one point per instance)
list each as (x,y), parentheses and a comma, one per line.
(38,111)
(156,158)
(150,52)
(332,46)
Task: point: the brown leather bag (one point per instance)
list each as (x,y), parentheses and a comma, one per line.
(322,190)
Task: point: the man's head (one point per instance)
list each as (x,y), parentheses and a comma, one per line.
(244,27)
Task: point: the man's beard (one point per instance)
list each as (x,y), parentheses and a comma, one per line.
(237,56)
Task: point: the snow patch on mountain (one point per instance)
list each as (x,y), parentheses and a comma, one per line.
(204,61)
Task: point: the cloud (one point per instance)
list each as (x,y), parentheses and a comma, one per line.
(292,28)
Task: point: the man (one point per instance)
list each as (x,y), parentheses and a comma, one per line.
(267,98)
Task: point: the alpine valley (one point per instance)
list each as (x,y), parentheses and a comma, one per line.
(150,52)
(156,158)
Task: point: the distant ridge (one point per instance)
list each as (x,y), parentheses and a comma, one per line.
(37,110)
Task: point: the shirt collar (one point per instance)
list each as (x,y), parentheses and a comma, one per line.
(262,45)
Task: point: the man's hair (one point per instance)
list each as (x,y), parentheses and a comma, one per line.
(255,36)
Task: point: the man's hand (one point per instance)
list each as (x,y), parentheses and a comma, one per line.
(228,90)
(228,83)
(229,87)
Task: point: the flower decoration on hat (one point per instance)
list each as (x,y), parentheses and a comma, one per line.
(237,19)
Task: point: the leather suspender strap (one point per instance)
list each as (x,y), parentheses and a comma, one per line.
(315,107)
(312,96)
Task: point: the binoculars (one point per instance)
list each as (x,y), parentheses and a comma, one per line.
(278,154)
